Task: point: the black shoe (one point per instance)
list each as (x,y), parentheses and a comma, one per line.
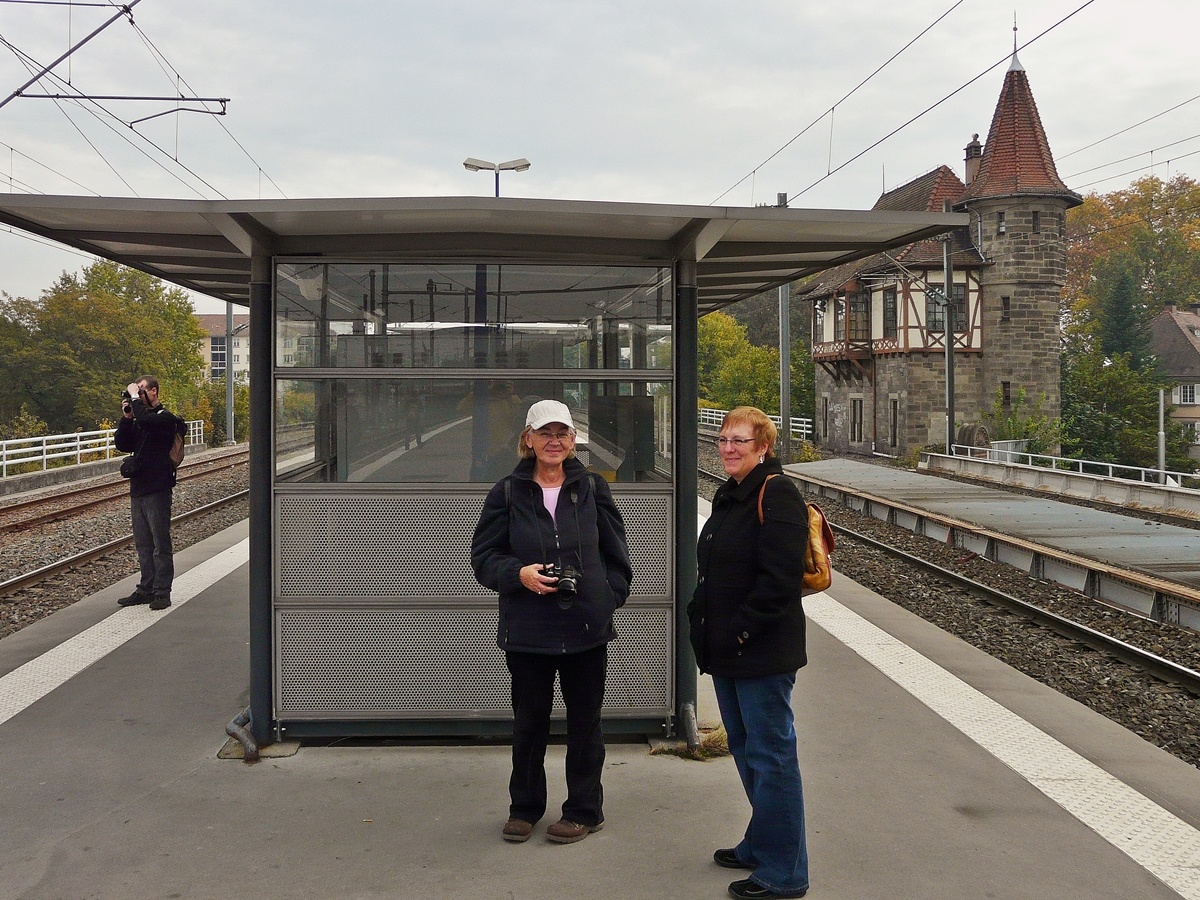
(160,601)
(137,598)
(748,890)
(728,859)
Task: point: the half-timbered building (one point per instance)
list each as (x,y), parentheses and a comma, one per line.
(879,324)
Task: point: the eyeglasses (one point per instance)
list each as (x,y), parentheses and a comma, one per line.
(741,442)
(559,436)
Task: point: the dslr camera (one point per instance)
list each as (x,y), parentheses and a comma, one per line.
(567,585)
(126,400)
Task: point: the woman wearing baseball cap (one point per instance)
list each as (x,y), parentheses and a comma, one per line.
(551,542)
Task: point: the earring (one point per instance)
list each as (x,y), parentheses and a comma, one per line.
(761,457)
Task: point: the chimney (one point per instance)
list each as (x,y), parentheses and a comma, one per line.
(1169,306)
(1195,307)
(974,155)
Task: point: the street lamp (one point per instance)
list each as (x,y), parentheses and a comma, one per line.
(471,164)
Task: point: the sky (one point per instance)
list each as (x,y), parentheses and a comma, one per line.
(670,102)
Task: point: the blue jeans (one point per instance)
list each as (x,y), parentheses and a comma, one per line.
(757,713)
(152,537)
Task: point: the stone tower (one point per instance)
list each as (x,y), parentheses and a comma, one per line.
(1018,207)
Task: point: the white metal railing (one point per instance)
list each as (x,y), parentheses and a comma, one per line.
(36,453)
(801,428)
(1186,480)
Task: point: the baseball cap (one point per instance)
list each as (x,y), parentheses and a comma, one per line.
(546,411)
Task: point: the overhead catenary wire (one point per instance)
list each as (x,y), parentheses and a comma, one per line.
(1129,128)
(13,149)
(1138,169)
(934,106)
(80,103)
(829,112)
(1134,156)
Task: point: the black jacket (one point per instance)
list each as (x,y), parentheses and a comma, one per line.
(157,427)
(517,531)
(750,578)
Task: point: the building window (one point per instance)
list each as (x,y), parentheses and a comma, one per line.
(895,423)
(860,317)
(839,318)
(287,344)
(1037,222)
(1000,223)
(1005,308)
(1187,394)
(819,321)
(856,421)
(935,314)
(890,329)
(1006,393)
(236,359)
(217,354)
(825,417)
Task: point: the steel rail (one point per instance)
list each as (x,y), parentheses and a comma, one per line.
(1156,665)
(20,582)
(1152,663)
(106,486)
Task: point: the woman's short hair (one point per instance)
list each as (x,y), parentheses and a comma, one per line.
(524,451)
(764,429)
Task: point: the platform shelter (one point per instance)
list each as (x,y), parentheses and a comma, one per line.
(395,345)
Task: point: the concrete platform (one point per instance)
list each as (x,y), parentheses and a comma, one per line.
(112,787)
(1169,552)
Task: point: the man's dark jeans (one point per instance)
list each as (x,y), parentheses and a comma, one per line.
(581,676)
(152,537)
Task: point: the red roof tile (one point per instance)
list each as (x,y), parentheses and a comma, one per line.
(923,194)
(1017,158)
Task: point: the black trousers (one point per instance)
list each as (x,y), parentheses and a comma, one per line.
(581,677)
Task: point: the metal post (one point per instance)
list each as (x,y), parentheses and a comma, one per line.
(948,332)
(785,373)
(686,478)
(1162,437)
(261,481)
(229,438)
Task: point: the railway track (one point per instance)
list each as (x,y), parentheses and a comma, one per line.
(28,579)
(1150,662)
(110,489)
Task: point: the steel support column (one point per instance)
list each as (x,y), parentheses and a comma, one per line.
(687,330)
(262,403)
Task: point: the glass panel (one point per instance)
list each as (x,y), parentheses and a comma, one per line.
(386,315)
(889,313)
(461,430)
(860,317)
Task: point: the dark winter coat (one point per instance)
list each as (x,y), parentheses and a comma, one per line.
(518,531)
(750,578)
(157,428)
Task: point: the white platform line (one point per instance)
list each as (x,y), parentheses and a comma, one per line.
(26,685)
(1156,839)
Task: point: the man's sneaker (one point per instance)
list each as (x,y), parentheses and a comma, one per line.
(160,601)
(137,598)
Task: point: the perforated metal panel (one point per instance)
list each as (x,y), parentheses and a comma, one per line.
(444,663)
(418,544)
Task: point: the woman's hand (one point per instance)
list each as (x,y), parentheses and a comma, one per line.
(534,580)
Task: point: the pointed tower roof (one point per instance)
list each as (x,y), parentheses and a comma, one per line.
(1016,158)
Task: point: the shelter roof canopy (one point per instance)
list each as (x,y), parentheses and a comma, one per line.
(206,246)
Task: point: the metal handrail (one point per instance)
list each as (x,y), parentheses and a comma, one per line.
(81,446)
(1140,474)
(801,427)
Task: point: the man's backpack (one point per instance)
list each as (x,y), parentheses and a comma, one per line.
(178,450)
(818,571)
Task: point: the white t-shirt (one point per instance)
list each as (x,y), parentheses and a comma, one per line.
(550,498)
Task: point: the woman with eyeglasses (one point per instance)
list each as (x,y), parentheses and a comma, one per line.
(551,541)
(747,628)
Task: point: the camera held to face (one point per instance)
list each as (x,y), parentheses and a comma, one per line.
(567,585)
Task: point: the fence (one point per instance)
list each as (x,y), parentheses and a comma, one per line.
(1005,454)
(801,428)
(33,454)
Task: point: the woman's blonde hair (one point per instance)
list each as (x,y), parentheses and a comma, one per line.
(524,451)
(764,429)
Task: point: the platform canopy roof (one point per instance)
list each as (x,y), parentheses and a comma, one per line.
(206,245)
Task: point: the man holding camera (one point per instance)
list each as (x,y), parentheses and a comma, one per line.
(147,430)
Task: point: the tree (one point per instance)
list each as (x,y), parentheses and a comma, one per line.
(1122,326)
(1110,414)
(89,335)
(732,371)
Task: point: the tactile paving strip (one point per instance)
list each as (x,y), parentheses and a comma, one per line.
(1156,839)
